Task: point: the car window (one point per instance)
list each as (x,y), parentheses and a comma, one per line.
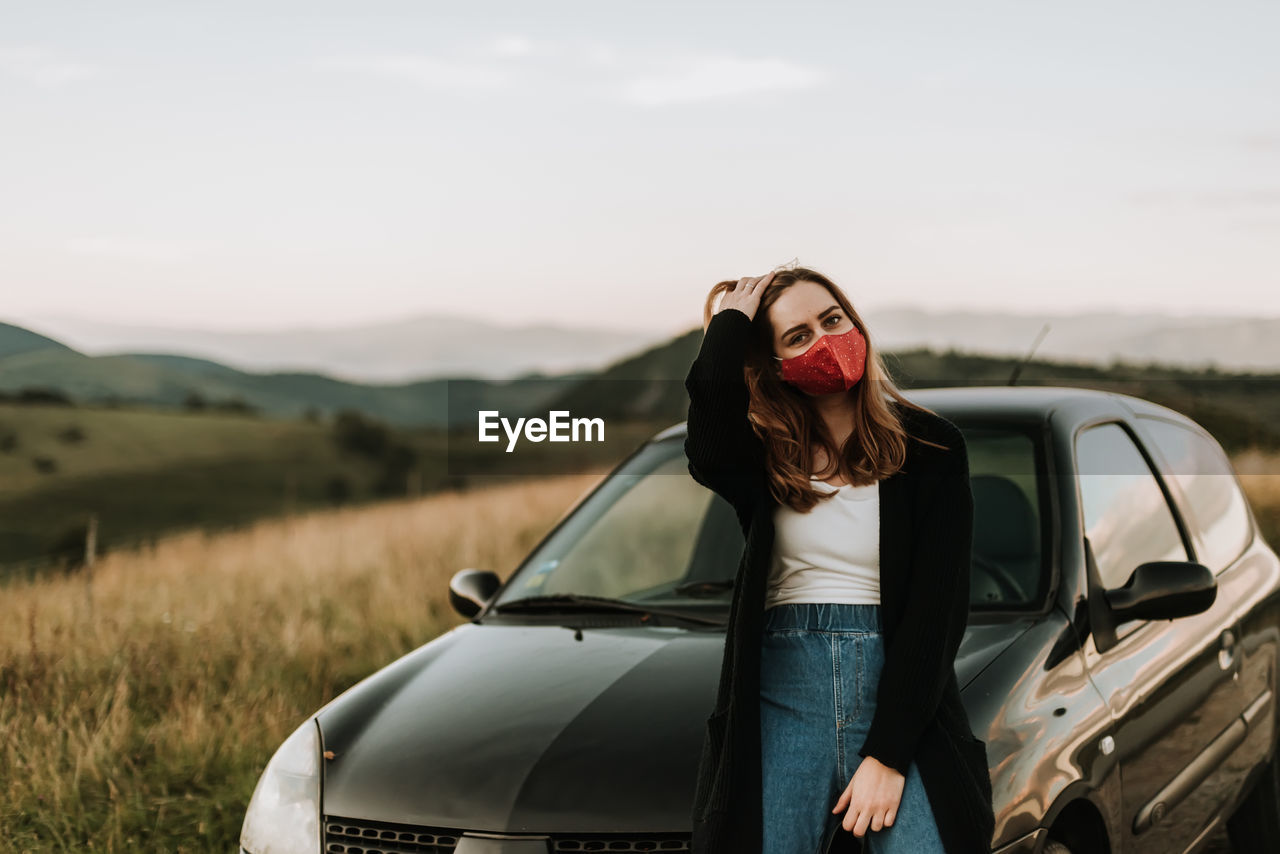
(1007,566)
(1206,486)
(648,528)
(1126,517)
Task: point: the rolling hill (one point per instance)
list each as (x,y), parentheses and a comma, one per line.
(129,451)
(165,381)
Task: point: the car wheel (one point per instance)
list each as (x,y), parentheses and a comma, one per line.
(1255,826)
(1053,846)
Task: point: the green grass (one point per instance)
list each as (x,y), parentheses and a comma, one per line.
(144,473)
(119,441)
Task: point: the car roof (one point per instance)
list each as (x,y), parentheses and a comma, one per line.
(1066,405)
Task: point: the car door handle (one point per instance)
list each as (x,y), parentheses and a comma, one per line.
(1226,650)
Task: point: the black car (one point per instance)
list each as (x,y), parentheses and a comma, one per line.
(1120,659)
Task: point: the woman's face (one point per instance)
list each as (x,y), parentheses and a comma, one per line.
(804,313)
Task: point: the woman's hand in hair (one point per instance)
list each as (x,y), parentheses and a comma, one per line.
(745,296)
(871,798)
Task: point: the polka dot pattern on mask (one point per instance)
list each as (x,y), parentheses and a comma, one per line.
(833,363)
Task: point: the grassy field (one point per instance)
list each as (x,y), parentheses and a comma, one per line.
(116,439)
(1260,474)
(142,473)
(137,710)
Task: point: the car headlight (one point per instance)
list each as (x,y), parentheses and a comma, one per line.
(284,813)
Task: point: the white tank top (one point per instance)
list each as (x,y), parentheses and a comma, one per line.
(831,553)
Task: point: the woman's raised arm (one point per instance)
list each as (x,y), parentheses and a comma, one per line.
(725,454)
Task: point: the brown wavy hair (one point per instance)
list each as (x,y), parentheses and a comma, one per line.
(788,424)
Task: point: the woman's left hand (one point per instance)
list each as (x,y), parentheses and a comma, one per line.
(872,797)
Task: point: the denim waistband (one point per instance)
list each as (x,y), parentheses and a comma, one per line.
(823,616)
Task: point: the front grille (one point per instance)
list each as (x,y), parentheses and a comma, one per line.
(621,844)
(356,836)
(359,836)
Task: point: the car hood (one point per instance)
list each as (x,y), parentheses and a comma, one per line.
(522,728)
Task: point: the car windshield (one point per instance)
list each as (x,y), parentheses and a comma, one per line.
(650,534)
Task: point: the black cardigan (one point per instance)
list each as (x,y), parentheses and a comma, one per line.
(926,522)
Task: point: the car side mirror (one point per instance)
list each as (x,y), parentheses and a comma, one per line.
(1164,590)
(471,589)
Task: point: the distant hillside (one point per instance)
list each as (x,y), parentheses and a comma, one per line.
(644,386)
(1239,409)
(166,381)
(1228,342)
(139,470)
(432,346)
(144,472)
(15,340)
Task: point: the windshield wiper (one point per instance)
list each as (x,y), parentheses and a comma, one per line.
(576,602)
(703,588)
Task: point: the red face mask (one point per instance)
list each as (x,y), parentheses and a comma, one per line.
(834,363)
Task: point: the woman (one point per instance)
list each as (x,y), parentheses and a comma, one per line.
(838,704)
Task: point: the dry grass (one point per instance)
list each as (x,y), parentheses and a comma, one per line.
(1260,475)
(136,712)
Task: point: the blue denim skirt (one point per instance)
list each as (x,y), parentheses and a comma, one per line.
(819,667)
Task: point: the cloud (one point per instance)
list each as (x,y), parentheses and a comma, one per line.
(593,67)
(43,67)
(1262,142)
(129,249)
(711,77)
(429,72)
(601,53)
(484,65)
(511,45)
(1225,199)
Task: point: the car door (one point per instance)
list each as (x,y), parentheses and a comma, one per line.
(1208,496)
(1170,685)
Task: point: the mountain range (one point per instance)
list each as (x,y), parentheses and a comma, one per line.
(458,362)
(454,345)
(403,351)
(29,360)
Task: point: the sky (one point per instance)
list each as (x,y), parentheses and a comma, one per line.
(274,164)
